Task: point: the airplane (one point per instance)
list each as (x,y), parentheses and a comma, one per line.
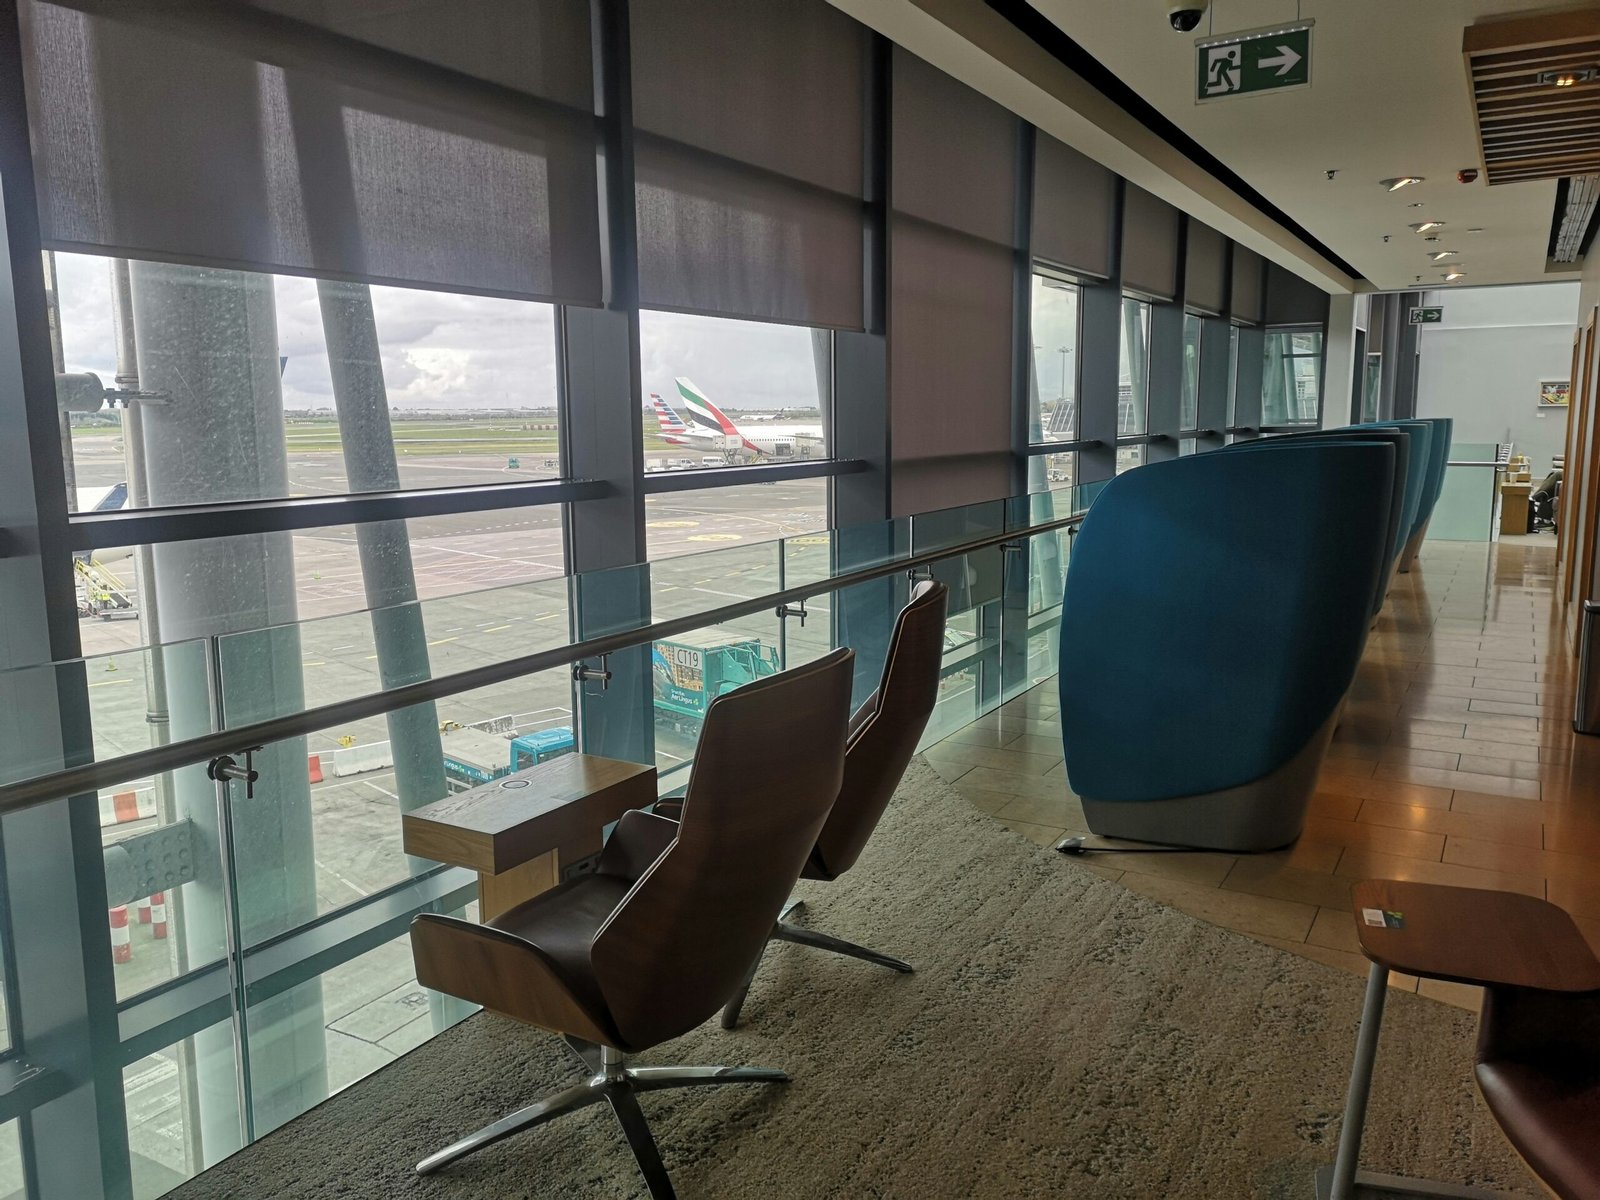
(711,429)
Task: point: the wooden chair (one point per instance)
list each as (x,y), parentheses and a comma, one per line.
(661,935)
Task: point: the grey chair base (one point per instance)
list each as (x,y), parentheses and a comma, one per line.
(1265,814)
(785,932)
(1413,544)
(616,1084)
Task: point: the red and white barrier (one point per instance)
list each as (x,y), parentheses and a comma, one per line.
(314,767)
(121,935)
(158,915)
(120,808)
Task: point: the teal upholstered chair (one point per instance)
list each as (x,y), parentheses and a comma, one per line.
(1436,433)
(1404,496)
(1212,621)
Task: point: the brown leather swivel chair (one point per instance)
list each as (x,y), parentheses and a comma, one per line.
(662,933)
(1539,1072)
(884,733)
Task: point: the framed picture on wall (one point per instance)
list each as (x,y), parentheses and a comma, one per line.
(1554,393)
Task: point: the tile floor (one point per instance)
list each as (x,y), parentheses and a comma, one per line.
(1454,762)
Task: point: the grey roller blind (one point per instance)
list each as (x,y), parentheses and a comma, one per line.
(1074,209)
(1292,300)
(951,272)
(440,144)
(1205,273)
(1245,300)
(748,158)
(1149,244)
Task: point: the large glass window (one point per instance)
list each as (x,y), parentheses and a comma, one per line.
(1370,387)
(1233,376)
(722,393)
(1189,410)
(259,387)
(1053,388)
(1133,367)
(707,518)
(1291,382)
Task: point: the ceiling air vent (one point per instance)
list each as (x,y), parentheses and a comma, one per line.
(1573,214)
(1536,94)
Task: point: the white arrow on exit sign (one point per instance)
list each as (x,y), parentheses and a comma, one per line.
(1285,60)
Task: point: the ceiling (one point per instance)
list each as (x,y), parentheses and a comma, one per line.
(1388,97)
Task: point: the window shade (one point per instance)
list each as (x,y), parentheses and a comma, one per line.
(1149,244)
(444,145)
(1205,273)
(952,264)
(1244,303)
(748,158)
(1292,300)
(1074,208)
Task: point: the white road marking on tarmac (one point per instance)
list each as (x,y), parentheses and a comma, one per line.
(376,788)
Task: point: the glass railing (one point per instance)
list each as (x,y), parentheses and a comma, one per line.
(1465,511)
(257,935)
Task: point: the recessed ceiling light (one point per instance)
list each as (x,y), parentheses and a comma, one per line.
(1455,275)
(1415,204)
(1399,181)
(1437,255)
(1566,79)
(1424,226)
(1478,229)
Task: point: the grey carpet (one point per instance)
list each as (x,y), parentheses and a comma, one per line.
(1062,1036)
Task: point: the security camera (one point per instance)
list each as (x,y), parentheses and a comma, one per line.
(1185,14)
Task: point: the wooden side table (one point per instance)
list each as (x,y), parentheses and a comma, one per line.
(1514,506)
(516,832)
(1463,935)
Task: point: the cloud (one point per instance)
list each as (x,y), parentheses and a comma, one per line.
(453,352)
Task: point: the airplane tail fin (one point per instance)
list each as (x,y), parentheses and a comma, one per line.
(702,412)
(672,427)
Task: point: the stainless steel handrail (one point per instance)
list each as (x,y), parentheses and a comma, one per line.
(93,776)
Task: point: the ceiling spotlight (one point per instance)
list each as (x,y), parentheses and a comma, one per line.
(1399,181)
(1455,275)
(1566,79)
(1415,204)
(1437,255)
(1424,226)
(1475,229)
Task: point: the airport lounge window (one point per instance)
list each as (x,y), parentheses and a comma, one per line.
(1054,386)
(1233,376)
(238,399)
(725,393)
(1291,377)
(1133,368)
(1189,411)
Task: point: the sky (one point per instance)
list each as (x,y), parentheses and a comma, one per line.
(443,351)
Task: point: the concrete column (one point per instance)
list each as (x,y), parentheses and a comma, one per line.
(1338,361)
(362,402)
(208,340)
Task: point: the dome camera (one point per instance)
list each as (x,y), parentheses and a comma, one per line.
(1185,14)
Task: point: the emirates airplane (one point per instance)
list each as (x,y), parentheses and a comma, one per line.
(709,428)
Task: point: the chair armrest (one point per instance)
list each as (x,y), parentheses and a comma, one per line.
(502,972)
(638,840)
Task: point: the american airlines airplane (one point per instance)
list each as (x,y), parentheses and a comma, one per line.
(709,428)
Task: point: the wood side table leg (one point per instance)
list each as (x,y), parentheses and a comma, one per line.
(499,893)
(1355,1104)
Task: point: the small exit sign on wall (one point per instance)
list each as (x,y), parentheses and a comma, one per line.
(1426,316)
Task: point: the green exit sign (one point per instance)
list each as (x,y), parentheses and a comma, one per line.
(1426,316)
(1254,60)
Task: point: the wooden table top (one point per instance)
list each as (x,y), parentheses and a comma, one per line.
(504,823)
(1469,935)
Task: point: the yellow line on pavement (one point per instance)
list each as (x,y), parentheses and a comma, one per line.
(442,641)
(497,629)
